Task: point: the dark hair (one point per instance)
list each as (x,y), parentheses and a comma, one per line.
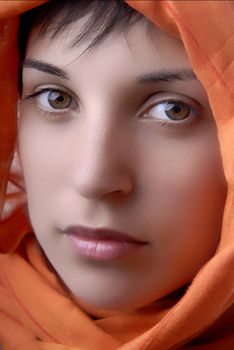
(53,17)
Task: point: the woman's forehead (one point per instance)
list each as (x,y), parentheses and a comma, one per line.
(130,52)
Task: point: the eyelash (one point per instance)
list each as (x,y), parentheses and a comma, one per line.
(53,115)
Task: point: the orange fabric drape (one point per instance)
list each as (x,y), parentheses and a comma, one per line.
(36,312)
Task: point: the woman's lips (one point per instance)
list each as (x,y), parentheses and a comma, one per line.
(101,244)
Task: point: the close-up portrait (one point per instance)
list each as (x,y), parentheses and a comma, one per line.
(116,175)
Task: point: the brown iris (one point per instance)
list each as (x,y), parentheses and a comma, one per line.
(59,99)
(177,110)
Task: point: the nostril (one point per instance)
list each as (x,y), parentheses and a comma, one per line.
(99,187)
(117,196)
(126,187)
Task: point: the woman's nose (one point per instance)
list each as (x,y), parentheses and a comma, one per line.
(104,166)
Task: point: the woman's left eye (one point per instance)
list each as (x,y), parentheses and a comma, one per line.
(170,112)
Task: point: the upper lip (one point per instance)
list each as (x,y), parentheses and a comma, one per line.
(101,233)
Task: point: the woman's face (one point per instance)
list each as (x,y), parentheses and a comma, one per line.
(122,138)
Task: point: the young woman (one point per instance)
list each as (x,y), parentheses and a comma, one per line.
(117,221)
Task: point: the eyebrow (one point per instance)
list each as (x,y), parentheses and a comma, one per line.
(144,79)
(46,68)
(166,75)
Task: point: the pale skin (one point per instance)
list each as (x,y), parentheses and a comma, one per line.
(109,160)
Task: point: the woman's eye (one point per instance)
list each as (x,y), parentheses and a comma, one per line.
(170,111)
(54,99)
(52,102)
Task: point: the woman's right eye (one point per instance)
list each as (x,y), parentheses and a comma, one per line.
(53,100)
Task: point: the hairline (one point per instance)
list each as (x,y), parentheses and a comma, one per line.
(91,41)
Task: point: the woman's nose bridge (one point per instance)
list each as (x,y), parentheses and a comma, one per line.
(103,165)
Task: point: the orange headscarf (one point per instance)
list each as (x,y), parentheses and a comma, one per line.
(36,312)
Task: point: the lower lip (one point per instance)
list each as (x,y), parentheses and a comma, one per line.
(102,249)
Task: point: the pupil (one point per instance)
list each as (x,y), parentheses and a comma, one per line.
(177,109)
(60,98)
